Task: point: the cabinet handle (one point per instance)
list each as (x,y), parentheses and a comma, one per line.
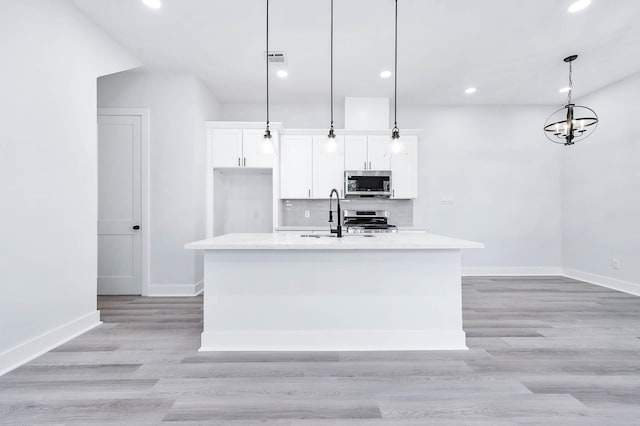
(365,165)
(341,191)
(309,193)
(245,161)
(393,193)
(369,165)
(238,161)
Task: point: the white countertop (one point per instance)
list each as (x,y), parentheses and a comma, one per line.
(290,228)
(289,241)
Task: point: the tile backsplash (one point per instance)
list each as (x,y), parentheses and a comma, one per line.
(293,211)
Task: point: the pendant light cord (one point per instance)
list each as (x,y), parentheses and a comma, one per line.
(395,75)
(267,66)
(331,67)
(570,83)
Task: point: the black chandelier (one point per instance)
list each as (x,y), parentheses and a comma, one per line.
(331,136)
(572,123)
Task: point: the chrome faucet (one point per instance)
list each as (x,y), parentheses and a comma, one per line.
(338,229)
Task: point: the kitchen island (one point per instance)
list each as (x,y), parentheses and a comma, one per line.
(290,292)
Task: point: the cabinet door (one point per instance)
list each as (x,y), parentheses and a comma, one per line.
(404,169)
(296,153)
(379,152)
(355,153)
(253,153)
(328,167)
(227,147)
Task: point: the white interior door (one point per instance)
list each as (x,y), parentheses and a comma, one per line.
(119,195)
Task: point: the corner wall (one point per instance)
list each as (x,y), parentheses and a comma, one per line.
(601,183)
(179,105)
(52,56)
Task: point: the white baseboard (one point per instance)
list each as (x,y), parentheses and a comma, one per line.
(176,290)
(25,352)
(510,271)
(333,340)
(612,283)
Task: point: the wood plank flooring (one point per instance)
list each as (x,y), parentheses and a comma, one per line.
(543,351)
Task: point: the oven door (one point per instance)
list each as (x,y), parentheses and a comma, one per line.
(367,183)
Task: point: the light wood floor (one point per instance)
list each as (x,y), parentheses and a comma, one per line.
(543,351)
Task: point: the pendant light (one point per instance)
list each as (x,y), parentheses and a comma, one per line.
(572,123)
(267,143)
(396,145)
(331,137)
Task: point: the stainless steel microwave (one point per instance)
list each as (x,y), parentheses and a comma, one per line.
(367,183)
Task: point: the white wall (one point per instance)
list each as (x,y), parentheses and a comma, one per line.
(179,104)
(311,116)
(601,180)
(495,164)
(51,58)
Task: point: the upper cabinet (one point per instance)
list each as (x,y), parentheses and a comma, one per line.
(308,169)
(404,169)
(367,152)
(234,148)
(296,157)
(328,167)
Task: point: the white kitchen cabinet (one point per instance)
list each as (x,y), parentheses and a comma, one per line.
(379,152)
(404,169)
(328,167)
(296,165)
(227,147)
(355,153)
(367,152)
(233,148)
(253,153)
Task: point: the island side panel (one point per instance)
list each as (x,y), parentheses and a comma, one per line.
(332,300)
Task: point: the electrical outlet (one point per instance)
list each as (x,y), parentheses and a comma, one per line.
(307,214)
(446,202)
(615,263)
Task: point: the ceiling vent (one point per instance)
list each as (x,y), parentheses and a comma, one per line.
(276,57)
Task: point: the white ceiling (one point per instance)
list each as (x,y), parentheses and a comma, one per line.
(511,50)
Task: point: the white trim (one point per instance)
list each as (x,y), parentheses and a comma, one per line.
(145,178)
(33,348)
(176,290)
(612,283)
(484,271)
(333,340)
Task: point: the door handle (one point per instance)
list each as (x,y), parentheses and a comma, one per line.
(136,227)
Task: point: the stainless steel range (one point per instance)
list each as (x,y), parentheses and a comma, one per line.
(367,221)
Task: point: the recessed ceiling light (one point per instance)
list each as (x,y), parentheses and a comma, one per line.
(385,74)
(578,6)
(153,4)
(282,73)
(470,90)
(564,89)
